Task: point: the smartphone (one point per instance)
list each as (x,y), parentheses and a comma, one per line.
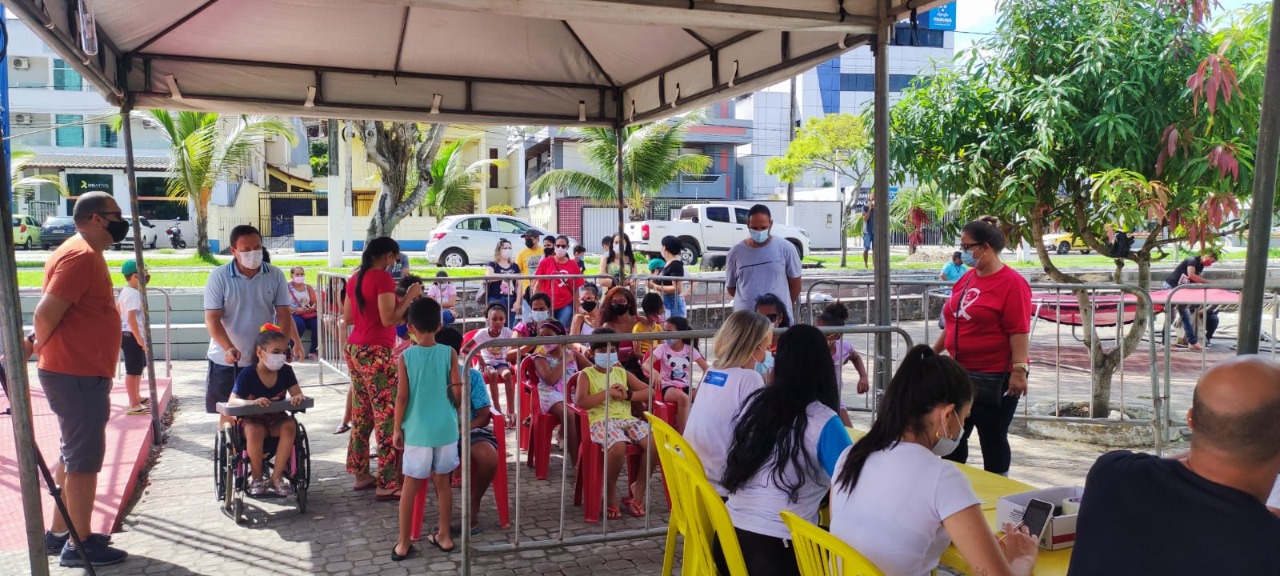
(1036,517)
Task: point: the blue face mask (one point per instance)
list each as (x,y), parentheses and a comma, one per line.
(759,236)
(966,257)
(764,366)
(672,341)
(541,315)
(606,360)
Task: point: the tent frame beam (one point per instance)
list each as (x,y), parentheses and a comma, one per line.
(587,51)
(170,28)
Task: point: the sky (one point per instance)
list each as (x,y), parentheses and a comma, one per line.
(976,17)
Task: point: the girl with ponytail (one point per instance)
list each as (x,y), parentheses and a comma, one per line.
(373,311)
(898,502)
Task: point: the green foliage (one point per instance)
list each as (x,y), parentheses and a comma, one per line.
(26,185)
(319,158)
(651,159)
(914,208)
(453,180)
(502,210)
(832,143)
(205,149)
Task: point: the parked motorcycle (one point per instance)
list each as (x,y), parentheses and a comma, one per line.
(175,237)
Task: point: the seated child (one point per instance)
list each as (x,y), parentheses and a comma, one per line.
(650,321)
(484,445)
(495,366)
(266,381)
(615,388)
(836,314)
(675,359)
(555,366)
(426,423)
(540,304)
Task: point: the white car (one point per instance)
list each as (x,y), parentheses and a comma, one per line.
(472,238)
(150,235)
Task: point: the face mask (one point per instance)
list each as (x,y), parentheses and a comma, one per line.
(759,236)
(528,242)
(251,259)
(562,252)
(617,248)
(606,359)
(300,278)
(541,315)
(672,341)
(274,362)
(967,258)
(118,229)
(763,367)
(548,251)
(946,444)
(506,253)
(588,306)
(619,309)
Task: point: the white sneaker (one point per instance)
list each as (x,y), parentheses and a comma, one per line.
(283,489)
(257,488)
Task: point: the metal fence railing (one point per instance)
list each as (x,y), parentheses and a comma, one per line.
(569,532)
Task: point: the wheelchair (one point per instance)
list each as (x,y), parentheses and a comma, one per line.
(231,468)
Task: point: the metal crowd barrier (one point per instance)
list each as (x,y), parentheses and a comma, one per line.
(706,300)
(168,321)
(330,329)
(517,542)
(1049,301)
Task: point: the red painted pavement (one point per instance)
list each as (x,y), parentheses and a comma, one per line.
(128,442)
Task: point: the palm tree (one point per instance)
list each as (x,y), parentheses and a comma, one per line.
(26,185)
(651,159)
(204,150)
(453,180)
(914,208)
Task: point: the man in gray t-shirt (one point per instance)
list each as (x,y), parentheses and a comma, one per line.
(239,298)
(762,265)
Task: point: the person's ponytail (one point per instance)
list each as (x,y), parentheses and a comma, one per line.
(376,248)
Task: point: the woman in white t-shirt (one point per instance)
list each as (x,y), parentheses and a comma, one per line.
(784,451)
(496,368)
(741,344)
(898,502)
(446,294)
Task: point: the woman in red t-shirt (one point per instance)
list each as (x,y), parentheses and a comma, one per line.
(372,311)
(563,291)
(988,325)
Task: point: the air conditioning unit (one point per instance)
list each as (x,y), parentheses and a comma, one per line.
(22,119)
(21,63)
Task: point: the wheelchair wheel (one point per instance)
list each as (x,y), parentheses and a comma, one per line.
(302,468)
(219,467)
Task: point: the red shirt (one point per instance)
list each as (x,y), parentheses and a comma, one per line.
(79,345)
(368,329)
(981,315)
(561,290)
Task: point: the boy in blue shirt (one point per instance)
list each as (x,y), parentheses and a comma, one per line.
(426,423)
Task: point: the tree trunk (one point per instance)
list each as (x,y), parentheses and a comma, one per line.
(395,148)
(202,233)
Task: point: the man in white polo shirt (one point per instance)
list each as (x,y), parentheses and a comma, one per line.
(239,298)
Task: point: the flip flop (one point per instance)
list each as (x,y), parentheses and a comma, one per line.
(398,557)
(343,429)
(613,513)
(635,508)
(393,496)
(431,539)
(145,401)
(361,486)
(141,410)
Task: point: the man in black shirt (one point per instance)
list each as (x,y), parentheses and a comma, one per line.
(1200,513)
(1188,272)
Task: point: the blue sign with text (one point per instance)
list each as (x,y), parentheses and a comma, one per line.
(941,18)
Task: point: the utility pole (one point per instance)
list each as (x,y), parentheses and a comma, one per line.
(791,130)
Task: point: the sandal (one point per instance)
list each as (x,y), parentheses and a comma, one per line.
(342,428)
(432,540)
(398,557)
(634,507)
(144,409)
(364,485)
(393,495)
(613,513)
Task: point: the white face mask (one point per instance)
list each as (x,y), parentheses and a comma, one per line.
(506,253)
(562,252)
(250,259)
(541,315)
(274,362)
(299,278)
(946,444)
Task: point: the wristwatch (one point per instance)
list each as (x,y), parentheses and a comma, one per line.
(1023,366)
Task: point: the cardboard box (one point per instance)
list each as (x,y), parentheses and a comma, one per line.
(1061,531)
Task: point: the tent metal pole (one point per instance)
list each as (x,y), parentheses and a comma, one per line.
(138,240)
(1263,198)
(884,344)
(15,364)
(619,137)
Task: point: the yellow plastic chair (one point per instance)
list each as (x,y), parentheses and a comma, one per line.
(707,521)
(819,553)
(671,445)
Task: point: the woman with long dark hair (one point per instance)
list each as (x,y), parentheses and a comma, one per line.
(784,451)
(987,330)
(897,502)
(373,312)
(618,264)
(618,311)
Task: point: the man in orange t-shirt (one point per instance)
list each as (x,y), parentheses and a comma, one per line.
(77,361)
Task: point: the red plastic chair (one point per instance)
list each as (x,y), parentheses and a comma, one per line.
(588,477)
(541,424)
(663,410)
(478,364)
(500,494)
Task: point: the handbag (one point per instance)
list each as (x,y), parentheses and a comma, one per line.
(304,315)
(988,388)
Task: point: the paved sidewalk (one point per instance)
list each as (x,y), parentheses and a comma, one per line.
(177,528)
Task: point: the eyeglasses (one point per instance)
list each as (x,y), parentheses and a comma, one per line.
(117,214)
(964,246)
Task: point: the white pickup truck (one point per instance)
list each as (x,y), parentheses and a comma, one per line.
(706,228)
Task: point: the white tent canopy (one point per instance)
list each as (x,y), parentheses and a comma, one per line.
(563,62)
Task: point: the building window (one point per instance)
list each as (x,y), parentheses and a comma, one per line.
(866,82)
(923,37)
(107,137)
(65,77)
(69,136)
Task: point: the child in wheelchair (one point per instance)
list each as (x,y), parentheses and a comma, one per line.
(269,379)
